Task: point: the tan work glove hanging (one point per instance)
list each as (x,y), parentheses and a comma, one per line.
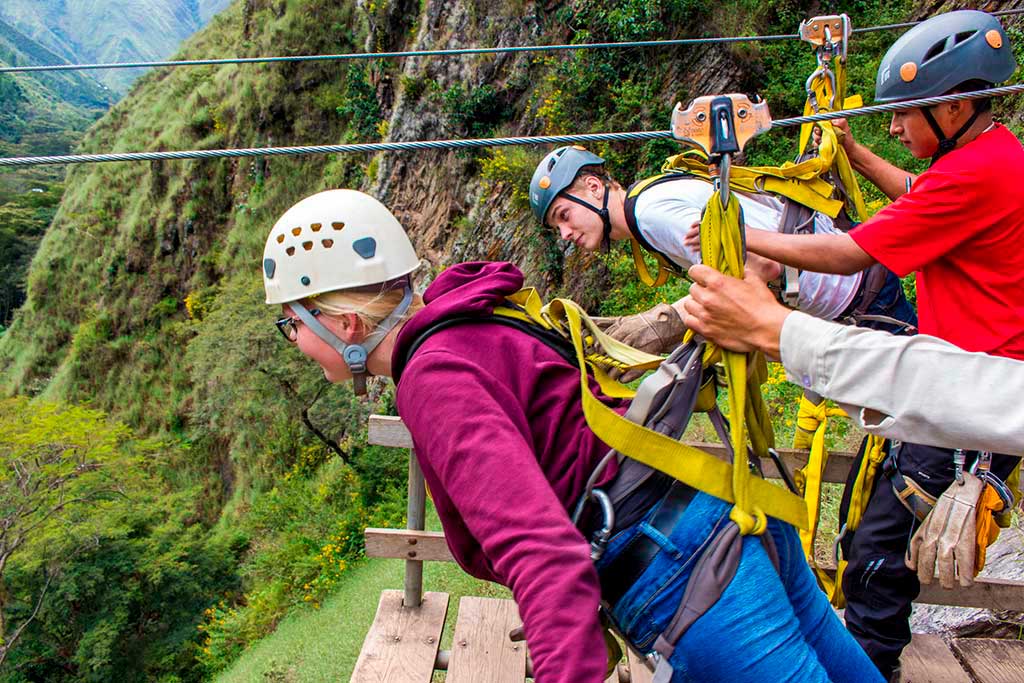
(946,543)
(658,330)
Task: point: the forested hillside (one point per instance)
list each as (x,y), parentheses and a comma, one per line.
(91,31)
(44,113)
(145,298)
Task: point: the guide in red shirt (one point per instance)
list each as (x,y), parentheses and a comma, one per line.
(959,227)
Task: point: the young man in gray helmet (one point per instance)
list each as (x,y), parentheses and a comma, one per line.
(958,226)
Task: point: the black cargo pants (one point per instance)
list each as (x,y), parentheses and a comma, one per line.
(878,586)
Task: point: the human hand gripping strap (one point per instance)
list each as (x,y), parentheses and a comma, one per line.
(685,463)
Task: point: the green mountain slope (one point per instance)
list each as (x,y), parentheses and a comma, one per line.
(42,113)
(93,31)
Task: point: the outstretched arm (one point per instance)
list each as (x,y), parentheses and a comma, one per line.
(888,178)
(820,253)
(928,380)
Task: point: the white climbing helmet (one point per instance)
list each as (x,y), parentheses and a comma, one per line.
(338,239)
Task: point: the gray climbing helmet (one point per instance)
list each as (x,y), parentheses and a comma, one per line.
(940,53)
(556,172)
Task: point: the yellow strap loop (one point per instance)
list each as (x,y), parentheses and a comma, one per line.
(642,270)
(722,249)
(689,465)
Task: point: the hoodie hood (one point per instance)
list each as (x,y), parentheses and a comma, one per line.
(465,289)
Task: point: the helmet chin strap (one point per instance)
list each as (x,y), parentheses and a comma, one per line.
(606,220)
(947,145)
(356,355)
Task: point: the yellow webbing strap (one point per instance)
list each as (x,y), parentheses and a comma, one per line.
(800,182)
(874,454)
(814,419)
(642,270)
(721,242)
(689,465)
(664,267)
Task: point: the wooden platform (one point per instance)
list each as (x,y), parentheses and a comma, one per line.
(403,646)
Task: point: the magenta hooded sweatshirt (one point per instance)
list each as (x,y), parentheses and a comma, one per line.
(498,426)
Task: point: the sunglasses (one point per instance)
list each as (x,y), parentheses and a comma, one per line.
(288,327)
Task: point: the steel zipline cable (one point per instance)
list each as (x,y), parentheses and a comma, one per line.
(486,142)
(448,53)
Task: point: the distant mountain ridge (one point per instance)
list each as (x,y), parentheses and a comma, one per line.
(91,31)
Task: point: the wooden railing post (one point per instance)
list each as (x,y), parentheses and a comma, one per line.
(416,518)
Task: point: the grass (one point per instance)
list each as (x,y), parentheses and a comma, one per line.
(311,646)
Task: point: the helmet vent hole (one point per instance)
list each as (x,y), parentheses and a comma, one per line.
(296,231)
(290,251)
(338,226)
(316,227)
(935,50)
(327,243)
(961,37)
(280,238)
(307,245)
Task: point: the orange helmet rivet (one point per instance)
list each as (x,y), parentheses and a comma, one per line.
(908,72)
(545,182)
(994,38)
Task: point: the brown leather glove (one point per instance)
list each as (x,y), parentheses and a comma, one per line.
(946,541)
(658,330)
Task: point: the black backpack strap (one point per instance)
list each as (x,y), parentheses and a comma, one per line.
(562,346)
(629,207)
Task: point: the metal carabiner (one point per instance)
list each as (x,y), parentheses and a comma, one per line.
(959,459)
(724,164)
(599,539)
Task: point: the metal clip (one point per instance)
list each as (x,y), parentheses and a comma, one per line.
(600,538)
(959,459)
(821,32)
(720,124)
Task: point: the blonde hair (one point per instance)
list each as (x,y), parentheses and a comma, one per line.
(370,306)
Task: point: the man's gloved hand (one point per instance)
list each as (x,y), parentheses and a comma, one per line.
(658,330)
(946,541)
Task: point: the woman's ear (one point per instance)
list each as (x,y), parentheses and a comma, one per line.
(352,328)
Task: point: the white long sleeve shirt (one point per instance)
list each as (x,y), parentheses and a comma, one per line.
(919,389)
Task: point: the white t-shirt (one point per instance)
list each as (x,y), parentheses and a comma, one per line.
(665,212)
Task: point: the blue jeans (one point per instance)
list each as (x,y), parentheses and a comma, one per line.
(768,625)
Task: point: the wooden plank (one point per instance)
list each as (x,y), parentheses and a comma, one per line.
(986,593)
(929,660)
(638,671)
(405,544)
(481,649)
(402,643)
(992,661)
(385,430)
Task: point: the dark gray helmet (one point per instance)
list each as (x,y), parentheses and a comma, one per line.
(556,172)
(940,53)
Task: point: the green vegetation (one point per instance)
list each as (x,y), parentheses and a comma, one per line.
(144,300)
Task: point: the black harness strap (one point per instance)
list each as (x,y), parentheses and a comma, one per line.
(562,346)
(629,208)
